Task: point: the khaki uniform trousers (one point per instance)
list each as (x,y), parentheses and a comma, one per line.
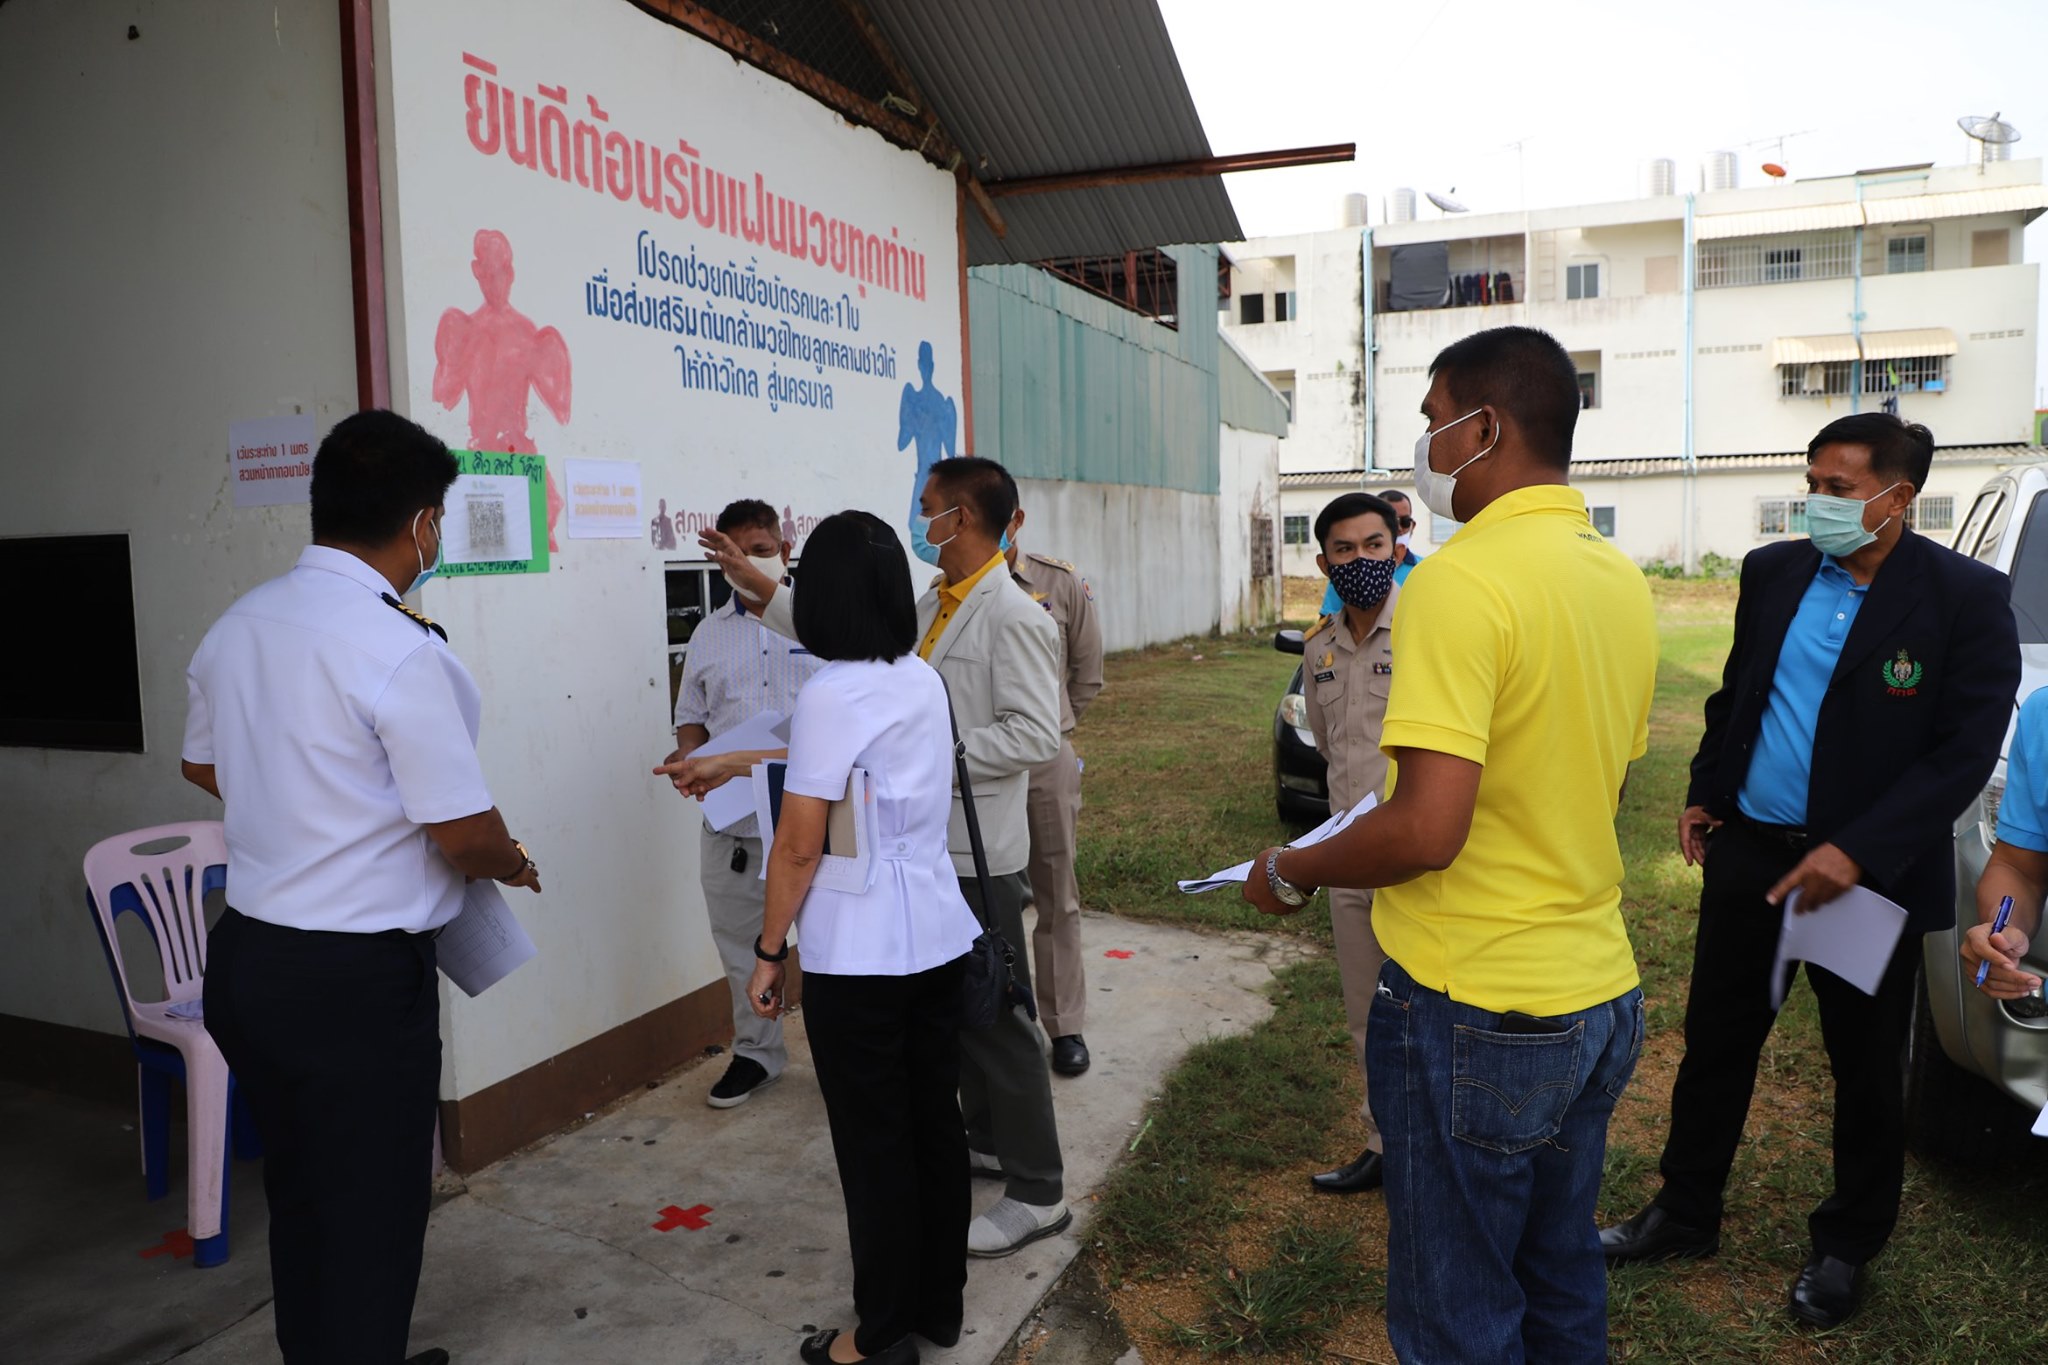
(1359,960)
(1051,808)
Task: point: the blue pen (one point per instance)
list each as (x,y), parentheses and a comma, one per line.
(1997,927)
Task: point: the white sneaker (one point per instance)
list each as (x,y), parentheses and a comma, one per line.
(1012,1224)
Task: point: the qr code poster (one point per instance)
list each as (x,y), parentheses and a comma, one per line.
(495,516)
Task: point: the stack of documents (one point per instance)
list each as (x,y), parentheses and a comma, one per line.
(726,806)
(1236,876)
(849,860)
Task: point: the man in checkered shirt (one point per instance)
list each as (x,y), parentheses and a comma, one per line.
(734,670)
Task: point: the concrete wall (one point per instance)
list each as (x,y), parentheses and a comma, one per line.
(1319,352)
(174,258)
(1150,554)
(1251,489)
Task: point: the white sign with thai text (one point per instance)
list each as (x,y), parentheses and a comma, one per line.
(270,460)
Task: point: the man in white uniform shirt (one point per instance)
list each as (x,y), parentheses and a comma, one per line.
(340,734)
(734,671)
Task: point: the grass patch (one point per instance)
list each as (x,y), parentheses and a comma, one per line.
(1235,1107)
(1179,777)
(1312,1278)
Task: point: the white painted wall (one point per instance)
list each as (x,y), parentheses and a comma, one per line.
(572,664)
(1250,484)
(1152,587)
(182,263)
(1320,349)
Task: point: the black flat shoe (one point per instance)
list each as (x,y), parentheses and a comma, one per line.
(1654,1235)
(1366,1173)
(1070,1054)
(1828,1291)
(817,1350)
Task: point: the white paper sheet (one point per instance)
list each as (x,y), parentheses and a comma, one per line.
(1238,875)
(489,518)
(604,499)
(726,806)
(2041,1124)
(1852,936)
(484,944)
(270,460)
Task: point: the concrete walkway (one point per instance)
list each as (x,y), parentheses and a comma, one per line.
(552,1256)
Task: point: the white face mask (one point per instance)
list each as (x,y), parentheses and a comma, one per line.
(770,565)
(1434,488)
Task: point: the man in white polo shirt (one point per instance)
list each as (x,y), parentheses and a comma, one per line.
(340,734)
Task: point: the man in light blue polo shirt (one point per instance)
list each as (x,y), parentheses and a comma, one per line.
(2019,863)
(1775,791)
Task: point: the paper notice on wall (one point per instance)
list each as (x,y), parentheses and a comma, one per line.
(270,460)
(604,499)
(484,944)
(495,516)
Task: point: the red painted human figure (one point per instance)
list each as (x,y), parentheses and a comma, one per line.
(495,356)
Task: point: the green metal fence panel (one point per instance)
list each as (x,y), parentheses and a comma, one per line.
(1068,385)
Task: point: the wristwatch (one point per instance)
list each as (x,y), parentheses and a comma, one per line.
(526,864)
(767,956)
(1284,891)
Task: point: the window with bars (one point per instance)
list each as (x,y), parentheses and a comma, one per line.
(1781,516)
(1294,530)
(1837,378)
(1776,260)
(1933,513)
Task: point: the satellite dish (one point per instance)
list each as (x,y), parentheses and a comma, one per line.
(1774,170)
(1992,135)
(1445,202)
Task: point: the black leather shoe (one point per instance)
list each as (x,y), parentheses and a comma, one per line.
(1828,1291)
(1654,1235)
(433,1355)
(1364,1174)
(1069,1054)
(817,1350)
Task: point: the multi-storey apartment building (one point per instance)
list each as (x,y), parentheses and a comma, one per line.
(1714,334)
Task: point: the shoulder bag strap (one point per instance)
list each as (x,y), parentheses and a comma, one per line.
(967,808)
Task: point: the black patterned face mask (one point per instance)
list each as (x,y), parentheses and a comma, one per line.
(1361,582)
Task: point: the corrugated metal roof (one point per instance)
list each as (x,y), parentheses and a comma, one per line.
(1914,208)
(1055,87)
(1771,222)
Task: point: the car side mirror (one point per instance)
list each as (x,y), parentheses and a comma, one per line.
(1289,642)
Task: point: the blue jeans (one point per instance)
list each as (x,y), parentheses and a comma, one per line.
(1494,1148)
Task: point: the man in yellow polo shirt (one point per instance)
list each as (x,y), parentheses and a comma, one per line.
(1507,1019)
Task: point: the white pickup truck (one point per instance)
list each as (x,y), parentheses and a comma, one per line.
(1977,1068)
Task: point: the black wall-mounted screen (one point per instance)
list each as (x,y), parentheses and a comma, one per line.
(71,681)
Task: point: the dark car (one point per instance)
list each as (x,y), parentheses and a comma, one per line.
(1301,788)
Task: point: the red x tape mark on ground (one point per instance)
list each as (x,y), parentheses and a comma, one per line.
(176,1245)
(1119,952)
(673,1218)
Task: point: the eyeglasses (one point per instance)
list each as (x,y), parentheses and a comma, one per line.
(1407,523)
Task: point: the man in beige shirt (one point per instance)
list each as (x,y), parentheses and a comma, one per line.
(1055,803)
(1347,672)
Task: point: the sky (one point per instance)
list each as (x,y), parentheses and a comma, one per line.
(1436,93)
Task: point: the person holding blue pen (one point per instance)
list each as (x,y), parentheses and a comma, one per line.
(2017,875)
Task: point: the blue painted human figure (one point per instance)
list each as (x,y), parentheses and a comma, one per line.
(931,419)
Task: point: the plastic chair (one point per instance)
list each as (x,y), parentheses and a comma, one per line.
(162,876)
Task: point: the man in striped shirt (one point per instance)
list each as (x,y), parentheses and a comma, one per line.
(734,670)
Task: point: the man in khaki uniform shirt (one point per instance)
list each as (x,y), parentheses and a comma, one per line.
(1347,672)
(1054,803)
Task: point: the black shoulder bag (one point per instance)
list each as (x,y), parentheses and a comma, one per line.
(989,987)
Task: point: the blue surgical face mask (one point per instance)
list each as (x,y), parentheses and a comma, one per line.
(921,545)
(1835,525)
(427,570)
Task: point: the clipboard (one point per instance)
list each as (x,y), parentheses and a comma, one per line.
(848,863)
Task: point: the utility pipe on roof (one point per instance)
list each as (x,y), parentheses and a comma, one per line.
(1856,272)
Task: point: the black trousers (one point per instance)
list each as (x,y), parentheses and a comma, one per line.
(887,1050)
(1727,1019)
(336,1041)
(1005,1090)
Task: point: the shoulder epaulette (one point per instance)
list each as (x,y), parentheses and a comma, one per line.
(423,622)
(1059,564)
(1323,623)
